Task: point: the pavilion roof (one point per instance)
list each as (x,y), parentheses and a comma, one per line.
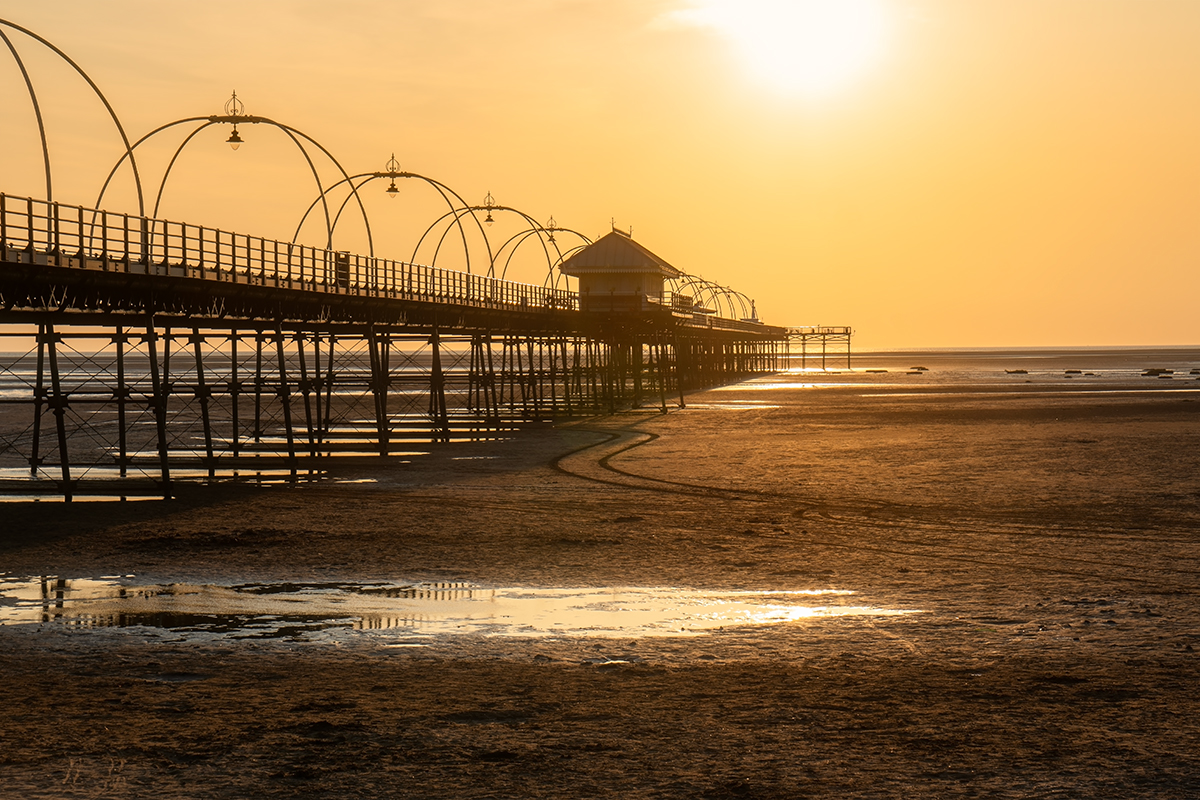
(616,252)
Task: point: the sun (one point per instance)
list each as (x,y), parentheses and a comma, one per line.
(802,47)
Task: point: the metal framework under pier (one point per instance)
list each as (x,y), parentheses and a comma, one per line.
(824,335)
(91,406)
(149,351)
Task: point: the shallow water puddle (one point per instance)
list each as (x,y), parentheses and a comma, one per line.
(734,405)
(296,609)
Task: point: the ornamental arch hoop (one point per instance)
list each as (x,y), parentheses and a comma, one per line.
(511,245)
(236,118)
(736,304)
(545,236)
(364,178)
(37,109)
(558,276)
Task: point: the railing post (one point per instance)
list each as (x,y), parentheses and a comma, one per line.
(125,225)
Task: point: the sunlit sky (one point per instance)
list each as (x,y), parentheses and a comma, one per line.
(931,172)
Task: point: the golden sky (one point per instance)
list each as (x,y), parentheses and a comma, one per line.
(931,172)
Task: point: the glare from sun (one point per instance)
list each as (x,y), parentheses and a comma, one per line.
(806,47)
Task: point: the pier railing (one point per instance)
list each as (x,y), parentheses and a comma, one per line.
(819,330)
(57,235)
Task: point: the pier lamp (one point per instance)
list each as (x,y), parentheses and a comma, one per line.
(489,203)
(234,108)
(393,169)
(550,227)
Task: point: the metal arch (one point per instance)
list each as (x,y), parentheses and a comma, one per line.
(533,226)
(550,281)
(137,178)
(247,119)
(522,236)
(162,185)
(362,208)
(743,299)
(208,122)
(37,111)
(338,216)
(462,233)
(324,193)
(708,293)
(438,186)
(290,132)
(720,294)
(121,160)
(730,295)
(567,255)
(708,290)
(688,281)
(457,214)
(317,178)
(724,294)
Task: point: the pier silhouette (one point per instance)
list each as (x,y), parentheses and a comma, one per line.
(165,349)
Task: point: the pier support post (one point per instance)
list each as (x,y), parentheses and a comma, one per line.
(121,395)
(330,375)
(202,394)
(285,398)
(39,394)
(258,384)
(437,393)
(635,350)
(158,403)
(378,391)
(58,402)
(306,393)
(235,389)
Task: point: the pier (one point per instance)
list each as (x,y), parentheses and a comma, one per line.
(160,349)
(142,350)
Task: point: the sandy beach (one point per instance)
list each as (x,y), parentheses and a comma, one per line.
(1042,536)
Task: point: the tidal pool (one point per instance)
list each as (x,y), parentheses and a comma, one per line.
(282,610)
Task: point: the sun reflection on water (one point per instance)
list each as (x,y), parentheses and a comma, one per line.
(283,610)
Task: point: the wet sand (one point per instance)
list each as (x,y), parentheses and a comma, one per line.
(1048,539)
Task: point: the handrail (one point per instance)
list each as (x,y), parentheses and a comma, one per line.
(82,238)
(817,330)
(67,236)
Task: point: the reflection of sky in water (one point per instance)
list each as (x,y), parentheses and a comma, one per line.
(734,405)
(283,610)
(971,381)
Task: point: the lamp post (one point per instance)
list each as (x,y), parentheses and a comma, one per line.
(393,172)
(489,203)
(234,109)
